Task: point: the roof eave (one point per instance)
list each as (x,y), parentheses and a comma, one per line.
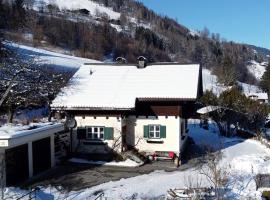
(63,108)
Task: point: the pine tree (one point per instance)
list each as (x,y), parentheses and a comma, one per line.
(265,81)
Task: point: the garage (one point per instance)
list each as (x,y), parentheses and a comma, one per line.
(26,151)
(41,155)
(17,165)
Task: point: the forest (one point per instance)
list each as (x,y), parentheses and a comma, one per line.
(156,37)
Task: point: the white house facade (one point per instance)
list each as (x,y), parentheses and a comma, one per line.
(119,107)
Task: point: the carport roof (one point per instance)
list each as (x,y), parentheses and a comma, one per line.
(10,131)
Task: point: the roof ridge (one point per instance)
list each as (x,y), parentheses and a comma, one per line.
(135,64)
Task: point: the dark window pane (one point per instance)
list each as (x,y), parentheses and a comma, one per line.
(101,136)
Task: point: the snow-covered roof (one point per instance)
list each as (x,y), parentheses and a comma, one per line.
(261,95)
(118,86)
(207,109)
(10,131)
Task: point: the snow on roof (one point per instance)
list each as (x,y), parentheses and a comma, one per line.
(259,95)
(207,109)
(83,4)
(9,131)
(118,86)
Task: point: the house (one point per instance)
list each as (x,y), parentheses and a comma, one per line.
(26,151)
(120,106)
(261,97)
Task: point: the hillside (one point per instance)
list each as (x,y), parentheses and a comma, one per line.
(106,29)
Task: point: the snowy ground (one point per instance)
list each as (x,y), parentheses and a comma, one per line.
(257,69)
(49,57)
(244,158)
(210,82)
(126,163)
(92,7)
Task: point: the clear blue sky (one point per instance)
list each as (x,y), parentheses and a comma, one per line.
(246,21)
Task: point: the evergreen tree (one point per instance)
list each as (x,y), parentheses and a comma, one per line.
(265,81)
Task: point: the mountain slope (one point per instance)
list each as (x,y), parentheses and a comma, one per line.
(102,29)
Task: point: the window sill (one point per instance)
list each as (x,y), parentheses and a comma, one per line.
(155,141)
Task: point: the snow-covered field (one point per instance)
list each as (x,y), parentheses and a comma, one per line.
(257,69)
(49,57)
(210,82)
(244,158)
(92,7)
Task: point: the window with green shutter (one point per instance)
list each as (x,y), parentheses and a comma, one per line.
(162,131)
(108,133)
(146,131)
(95,132)
(154,131)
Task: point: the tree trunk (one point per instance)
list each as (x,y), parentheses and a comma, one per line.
(10,115)
(228,131)
(50,113)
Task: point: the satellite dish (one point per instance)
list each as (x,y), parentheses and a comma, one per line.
(71,122)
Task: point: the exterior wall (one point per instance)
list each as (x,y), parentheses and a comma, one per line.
(2,170)
(90,146)
(135,133)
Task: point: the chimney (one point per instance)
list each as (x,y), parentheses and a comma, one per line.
(142,62)
(121,60)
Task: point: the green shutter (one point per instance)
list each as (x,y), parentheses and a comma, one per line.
(81,133)
(108,133)
(146,131)
(162,131)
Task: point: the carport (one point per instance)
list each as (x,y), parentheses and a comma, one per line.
(26,151)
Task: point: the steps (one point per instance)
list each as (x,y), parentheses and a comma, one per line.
(135,156)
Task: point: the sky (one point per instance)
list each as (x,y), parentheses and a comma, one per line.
(244,21)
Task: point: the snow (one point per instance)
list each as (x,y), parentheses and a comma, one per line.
(49,57)
(82,4)
(245,159)
(126,163)
(9,131)
(257,69)
(210,82)
(194,33)
(258,95)
(118,28)
(207,109)
(109,86)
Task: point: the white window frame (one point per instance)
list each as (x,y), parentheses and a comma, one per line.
(98,131)
(155,131)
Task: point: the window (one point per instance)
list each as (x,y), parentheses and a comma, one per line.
(154,131)
(95,133)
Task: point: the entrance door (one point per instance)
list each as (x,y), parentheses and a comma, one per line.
(16,165)
(41,155)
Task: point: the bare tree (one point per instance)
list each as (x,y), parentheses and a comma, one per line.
(217,176)
(25,82)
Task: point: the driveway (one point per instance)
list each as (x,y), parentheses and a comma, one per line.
(74,177)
